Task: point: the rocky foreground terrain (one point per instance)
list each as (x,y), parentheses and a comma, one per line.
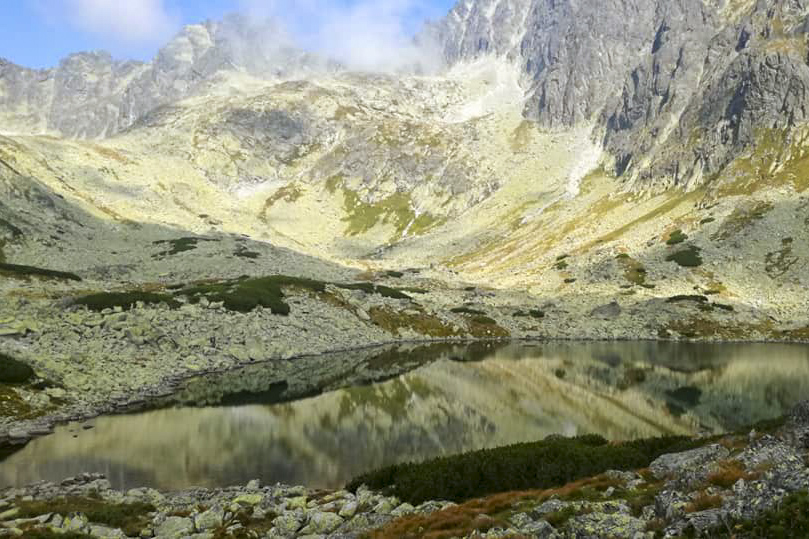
(618,169)
(719,488)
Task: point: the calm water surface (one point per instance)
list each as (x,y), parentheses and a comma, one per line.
(227,429)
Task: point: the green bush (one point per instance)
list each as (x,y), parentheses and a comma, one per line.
(43,533)
(466,310)
(687,258)
(13,371)
(788,519)
(244,253)
(552,462)
(244,295)
(370,288)
(15,270)
(676,237)
(179,245)
(686,297)
(124,300)
(533,313)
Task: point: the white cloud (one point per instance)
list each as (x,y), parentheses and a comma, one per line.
(132,22)
(373,35)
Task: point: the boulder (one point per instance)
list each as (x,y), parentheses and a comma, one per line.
(322,523)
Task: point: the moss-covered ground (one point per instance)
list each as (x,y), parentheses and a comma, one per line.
(129,517)
(16,271)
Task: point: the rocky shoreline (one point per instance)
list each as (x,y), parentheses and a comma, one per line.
(717,487)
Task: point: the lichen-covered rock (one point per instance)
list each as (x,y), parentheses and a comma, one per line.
(212,518)
(288,523)
(322,523)
(174,528)
(690,465)
(594,525)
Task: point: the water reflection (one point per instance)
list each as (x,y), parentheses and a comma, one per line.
(454,400)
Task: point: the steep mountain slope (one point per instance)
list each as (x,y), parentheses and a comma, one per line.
(90,95)
(676,89)
(602,157)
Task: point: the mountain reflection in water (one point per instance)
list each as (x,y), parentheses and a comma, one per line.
(456,399)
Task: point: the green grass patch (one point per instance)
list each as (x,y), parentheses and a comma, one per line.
(245,253)
(686,297)
(180,245)
(238,295)
(788,519)
(44,533)
(466,310)
(552,462)
(533,313)
(634,271)
(124,300)
(415,290)
(15,271)
(370,288)
(676,238)
(13,371)
(393,321)
(244,295)
(741,219)
(687,258)
(129,517)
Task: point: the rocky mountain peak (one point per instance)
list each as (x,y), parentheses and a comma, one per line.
(654,79)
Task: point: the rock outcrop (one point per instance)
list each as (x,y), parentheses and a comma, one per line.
(675,89)
(91,95)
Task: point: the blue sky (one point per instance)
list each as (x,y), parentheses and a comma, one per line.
(38,33)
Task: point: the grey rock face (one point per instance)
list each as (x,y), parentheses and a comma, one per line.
(92,95)
(676,89)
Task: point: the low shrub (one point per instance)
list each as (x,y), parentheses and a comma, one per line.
(244,253)
(370,288)
(124,300)
(45,533)
(727,473)
(676,238)
(466,310)
(789,518)
(687,258)
(685,297)
(552,462)
(180,245)
(13,371)
(244,295)
(533,313)
(17,271)
(129,517)
(703,502)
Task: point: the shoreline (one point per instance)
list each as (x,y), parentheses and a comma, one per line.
(44,425)
(710,482)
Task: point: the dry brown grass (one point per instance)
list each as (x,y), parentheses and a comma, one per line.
(422,323)
(703,502)
(728,472)
(482,514)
